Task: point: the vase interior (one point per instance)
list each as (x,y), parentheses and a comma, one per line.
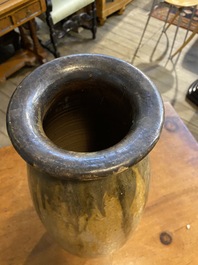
(88,116)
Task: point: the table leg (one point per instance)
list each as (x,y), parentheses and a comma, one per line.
(25,41)
(38,49)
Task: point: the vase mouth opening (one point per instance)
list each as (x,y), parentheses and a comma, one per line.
(84,115)
(88,116)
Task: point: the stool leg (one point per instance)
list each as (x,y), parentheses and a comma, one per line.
(174,39)
(172,19)
(186,41)
(149,17)
(190,22)
(144,30)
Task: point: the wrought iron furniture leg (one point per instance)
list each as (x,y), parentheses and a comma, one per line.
(175,36)
(85,19)
(187,40)
(94,22)
(53,37)
(171,20)
(143,33)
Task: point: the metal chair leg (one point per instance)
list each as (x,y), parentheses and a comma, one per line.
(186,41)
(172,19)
(175,36)
(165,28)
(143,33)
(190,22)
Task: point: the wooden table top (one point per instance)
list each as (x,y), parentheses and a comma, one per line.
(172,208)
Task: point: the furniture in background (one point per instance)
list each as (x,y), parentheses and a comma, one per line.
(108,7)
(71,14)
(14,14)
(179,6)
(167,233)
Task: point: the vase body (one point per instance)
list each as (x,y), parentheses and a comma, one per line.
(91,218)
(85,125)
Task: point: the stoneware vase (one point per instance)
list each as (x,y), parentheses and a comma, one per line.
(85,125)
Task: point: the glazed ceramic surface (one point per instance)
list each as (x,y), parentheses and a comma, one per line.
(85,125)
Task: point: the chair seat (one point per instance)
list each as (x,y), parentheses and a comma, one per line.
(62,9)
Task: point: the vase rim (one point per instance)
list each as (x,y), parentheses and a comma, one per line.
(37,150)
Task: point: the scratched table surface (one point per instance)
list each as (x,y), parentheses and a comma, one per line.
(167,233)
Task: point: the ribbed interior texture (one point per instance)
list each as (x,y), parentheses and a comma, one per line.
(88,117)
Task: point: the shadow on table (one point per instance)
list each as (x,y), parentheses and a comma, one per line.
(46,251)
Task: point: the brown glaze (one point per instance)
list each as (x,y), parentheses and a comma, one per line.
(85,125)
(91,218)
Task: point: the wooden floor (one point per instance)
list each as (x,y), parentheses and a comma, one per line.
(120,37)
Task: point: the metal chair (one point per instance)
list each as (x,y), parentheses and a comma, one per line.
(71,14)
